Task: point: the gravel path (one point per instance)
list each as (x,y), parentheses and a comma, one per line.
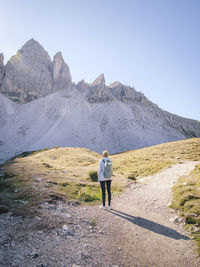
(136,232)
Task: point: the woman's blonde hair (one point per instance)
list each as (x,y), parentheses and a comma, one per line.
(105,153)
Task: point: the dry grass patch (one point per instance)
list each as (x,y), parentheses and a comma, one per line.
(64,172)
(151,160)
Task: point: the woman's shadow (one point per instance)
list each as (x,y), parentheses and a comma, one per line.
(150,225)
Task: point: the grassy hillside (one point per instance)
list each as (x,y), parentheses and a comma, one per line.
(64,172)
(150,160)
(186,199)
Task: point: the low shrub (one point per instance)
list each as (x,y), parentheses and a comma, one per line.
(190,219)
(93,176)
(64,184)
(131,177)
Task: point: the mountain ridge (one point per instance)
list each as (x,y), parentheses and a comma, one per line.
(31,74)
(58,112)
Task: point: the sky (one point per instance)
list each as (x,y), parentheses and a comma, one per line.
(151,45)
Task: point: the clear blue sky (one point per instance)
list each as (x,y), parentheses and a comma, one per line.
(153,45)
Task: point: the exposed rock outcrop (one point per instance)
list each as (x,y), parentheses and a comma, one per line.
(1,70)
(94,115)
(82,86)
(60,120)
(27,74)
(99,92)
(31,74)
(1,60)
(99,82)
(61,73)
(126,93)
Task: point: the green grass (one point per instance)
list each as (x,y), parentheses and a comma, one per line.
(186,198)
(89,193)
(64,172)
(151,160)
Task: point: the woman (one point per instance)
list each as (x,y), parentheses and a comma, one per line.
(104,177)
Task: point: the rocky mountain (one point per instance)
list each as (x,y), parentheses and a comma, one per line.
(90,115)
(31,74)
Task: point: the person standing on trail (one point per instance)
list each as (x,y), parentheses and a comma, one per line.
(104,177)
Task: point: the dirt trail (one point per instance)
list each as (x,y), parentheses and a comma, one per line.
(143,218)
(136,232)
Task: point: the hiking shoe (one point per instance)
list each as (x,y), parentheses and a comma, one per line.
(102,207)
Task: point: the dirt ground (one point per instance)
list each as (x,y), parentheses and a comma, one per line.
(138,231)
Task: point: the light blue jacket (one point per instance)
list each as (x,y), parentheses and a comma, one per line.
(101,170)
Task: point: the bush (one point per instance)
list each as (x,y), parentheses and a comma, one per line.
(190,219)
(131,177)
(93,176)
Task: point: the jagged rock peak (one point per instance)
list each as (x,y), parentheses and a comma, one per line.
(100,81)
(33,48)
(115,84)
(61,73)
(1,60)
(58,55)
(31,44)
(28,74)
(82,85)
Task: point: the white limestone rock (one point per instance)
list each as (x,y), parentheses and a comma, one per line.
(98,92)
(1,60)
(1,69)
(28,74)
(57,120)
(61,73)
(82,86)
(99,82)
(31,74)
(94,116)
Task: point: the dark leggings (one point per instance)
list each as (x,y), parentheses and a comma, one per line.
(108,186)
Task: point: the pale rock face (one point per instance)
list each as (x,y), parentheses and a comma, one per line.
(68,119)
(126,94)
(61,73)
(82,86)
(114,84)
(94,116)
(31,74)
(1,60)
(1,69)
(99,92)
(123,93)
(27,74)
(99,82)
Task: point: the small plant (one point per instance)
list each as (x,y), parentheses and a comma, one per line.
(132,177)
(88,194)
(64,184)
(190,219)
(93,176)
(47,165)
(94,223)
